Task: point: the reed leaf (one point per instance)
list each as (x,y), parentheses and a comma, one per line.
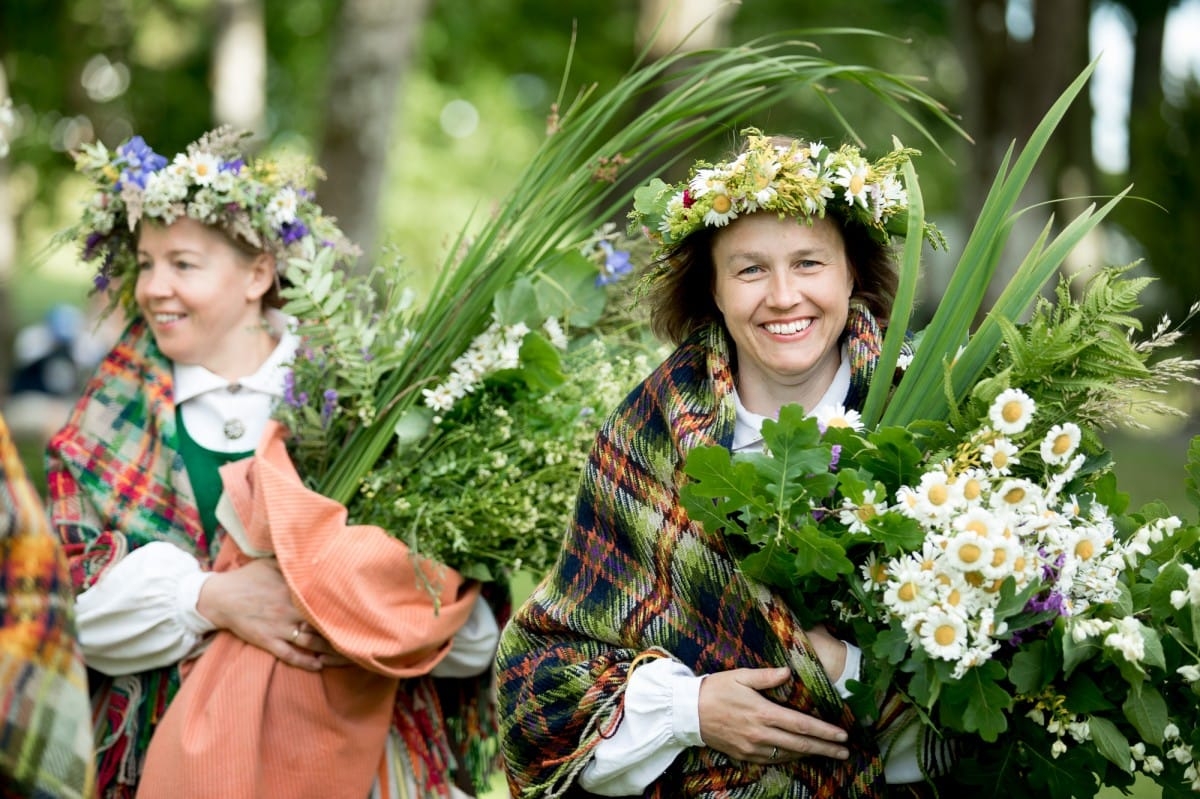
(557,201)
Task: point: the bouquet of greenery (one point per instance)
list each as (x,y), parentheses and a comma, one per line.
(398,407)
(974,542)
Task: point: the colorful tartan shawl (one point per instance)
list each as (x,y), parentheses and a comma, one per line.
(637,580)
(45,735)
(117,481)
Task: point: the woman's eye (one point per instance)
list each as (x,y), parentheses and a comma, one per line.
(808,264)
(143,266)
(184,265)
(752,269)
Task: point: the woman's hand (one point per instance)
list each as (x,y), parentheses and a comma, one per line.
(255,604)
(735,718)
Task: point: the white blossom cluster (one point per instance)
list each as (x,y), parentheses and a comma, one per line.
(497,348)
(984,525)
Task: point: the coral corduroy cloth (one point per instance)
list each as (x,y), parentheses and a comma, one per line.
(244,724)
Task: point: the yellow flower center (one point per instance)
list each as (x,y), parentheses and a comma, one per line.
(973,579)
(762,180)
(999,555)
(837,421)
(907,592)
(999,459)
(1061,445)
(722,204)
(1014,495)
(1011,412)
(1019,564)
(939,494)
(866,513)
(201,170)
(972,489)
(945,634)
(856,184)
(954,598)
(1085,549)
(969,553)
(977,527)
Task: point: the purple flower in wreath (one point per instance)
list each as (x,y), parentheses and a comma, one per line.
(139,162)
(292,231)
(329,406)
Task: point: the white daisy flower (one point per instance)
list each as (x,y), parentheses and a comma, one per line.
(943,634)
(967,552)
(999,456)
(281,209)
(838,416)
(937,497)
(1012,411)
(722,211)
(203,168)
(910,589)
(1017,495)
(857,515)
(1060,443)
(555,333)
(853,177)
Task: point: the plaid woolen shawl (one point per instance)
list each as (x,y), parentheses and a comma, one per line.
(637,579)
(118,481)
(45,734)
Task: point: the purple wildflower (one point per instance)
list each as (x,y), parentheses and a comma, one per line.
(617,264)
(329,406)
(836,453)
(101,281)
(296,400)
(89,245)
(234,166)
(139,162)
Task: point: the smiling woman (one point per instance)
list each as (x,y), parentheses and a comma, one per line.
(167,584)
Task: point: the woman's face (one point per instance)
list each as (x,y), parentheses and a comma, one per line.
(202,297)
(784,288)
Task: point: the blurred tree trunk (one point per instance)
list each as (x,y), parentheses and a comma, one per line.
(1146,96)
(239,65)
(1010,86)
(372,48)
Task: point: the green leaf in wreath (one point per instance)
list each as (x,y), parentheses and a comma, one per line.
(1077,652)
(1146,710)
(1110,742)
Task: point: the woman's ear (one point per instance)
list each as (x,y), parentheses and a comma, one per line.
(262,276)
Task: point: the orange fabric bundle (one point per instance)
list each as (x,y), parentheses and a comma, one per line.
(247,725)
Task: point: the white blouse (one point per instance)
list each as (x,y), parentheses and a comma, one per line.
(141,614)
(662,698)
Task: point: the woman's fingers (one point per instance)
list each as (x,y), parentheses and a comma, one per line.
(735,718)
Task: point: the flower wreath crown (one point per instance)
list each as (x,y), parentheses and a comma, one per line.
(212,182)
(792,179)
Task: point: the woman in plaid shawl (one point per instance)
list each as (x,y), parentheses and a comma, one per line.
(645,663)
(45,746)
(193,247)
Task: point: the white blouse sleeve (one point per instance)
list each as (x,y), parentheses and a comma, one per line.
(474,646)
(142,613)
(662,718)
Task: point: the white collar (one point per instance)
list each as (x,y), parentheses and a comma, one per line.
(747,429)
(192,380)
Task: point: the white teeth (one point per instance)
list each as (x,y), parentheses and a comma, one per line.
(167,318)
(787,328)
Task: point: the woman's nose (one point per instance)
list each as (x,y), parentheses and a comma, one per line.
(153,280)
(783,289)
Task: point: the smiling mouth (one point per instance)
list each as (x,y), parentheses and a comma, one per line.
(787,328)
(167,318)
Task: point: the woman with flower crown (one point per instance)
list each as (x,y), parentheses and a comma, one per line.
(192,250)
(646,663)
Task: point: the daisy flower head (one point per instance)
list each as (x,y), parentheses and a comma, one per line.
(942,634)
(935,498)
(968,552)
(1012,411)
(828,416)
(1000,456)
(857,515)
(1018,496)
(852,176)
(909,588)
(1060,443)
(721,211)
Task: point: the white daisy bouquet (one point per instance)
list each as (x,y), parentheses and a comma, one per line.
(967,531)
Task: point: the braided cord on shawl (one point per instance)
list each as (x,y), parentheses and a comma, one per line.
(636,580)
